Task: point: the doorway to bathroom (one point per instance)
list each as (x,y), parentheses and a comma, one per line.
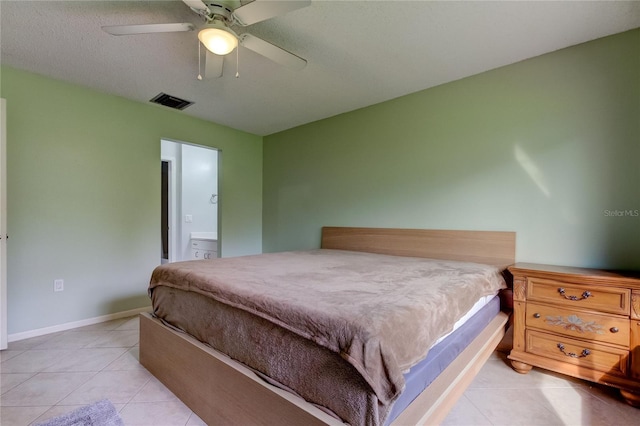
(190,214)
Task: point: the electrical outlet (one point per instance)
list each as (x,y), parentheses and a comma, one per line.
(58,285)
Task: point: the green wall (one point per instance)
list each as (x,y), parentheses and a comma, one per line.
(83,173)
(548,147)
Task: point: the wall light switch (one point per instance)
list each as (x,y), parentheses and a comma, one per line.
(188,218)
(58,285)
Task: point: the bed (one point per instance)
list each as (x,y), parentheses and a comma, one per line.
(359,374)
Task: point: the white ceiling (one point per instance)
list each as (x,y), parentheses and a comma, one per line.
(359,52)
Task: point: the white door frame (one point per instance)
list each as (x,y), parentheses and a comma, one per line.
(176,239)
(3,224)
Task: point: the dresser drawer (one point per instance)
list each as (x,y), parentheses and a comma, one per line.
(604,299)
(585,354)
(572,322)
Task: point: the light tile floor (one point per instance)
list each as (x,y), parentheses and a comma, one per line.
(46,376)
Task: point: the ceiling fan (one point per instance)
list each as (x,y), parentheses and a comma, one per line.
(217,34)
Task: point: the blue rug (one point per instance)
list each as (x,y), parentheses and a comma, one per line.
(101,413)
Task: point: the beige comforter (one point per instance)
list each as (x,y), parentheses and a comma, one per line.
(380,313)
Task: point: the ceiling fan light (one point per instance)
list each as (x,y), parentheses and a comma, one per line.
(218,40)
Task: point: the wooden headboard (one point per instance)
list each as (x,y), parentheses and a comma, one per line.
(489,247)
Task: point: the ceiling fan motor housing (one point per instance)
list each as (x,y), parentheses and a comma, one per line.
(219,12)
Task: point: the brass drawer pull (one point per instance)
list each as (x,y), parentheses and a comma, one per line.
(585,295)
(585,352)
(536,315)
(614,329)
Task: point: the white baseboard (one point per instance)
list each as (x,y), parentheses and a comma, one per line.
(75,324)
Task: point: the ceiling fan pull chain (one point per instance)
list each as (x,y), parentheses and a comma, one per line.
(237,61)
(199,56)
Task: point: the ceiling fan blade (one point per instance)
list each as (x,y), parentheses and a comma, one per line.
(273,52)
(148,28)
(213,65)
(261,10)
(197,5)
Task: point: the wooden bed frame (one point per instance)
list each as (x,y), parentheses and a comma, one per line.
(222,391)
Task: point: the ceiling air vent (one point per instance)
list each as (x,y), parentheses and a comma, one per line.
(171,101)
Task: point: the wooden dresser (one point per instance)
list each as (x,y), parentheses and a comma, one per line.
(581,322)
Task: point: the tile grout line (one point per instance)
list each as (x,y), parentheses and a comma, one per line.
(28,378)
(479,410)
(83,383)
(139,390)
(85,346)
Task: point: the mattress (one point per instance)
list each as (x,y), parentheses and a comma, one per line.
(420,376)
(218,316)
